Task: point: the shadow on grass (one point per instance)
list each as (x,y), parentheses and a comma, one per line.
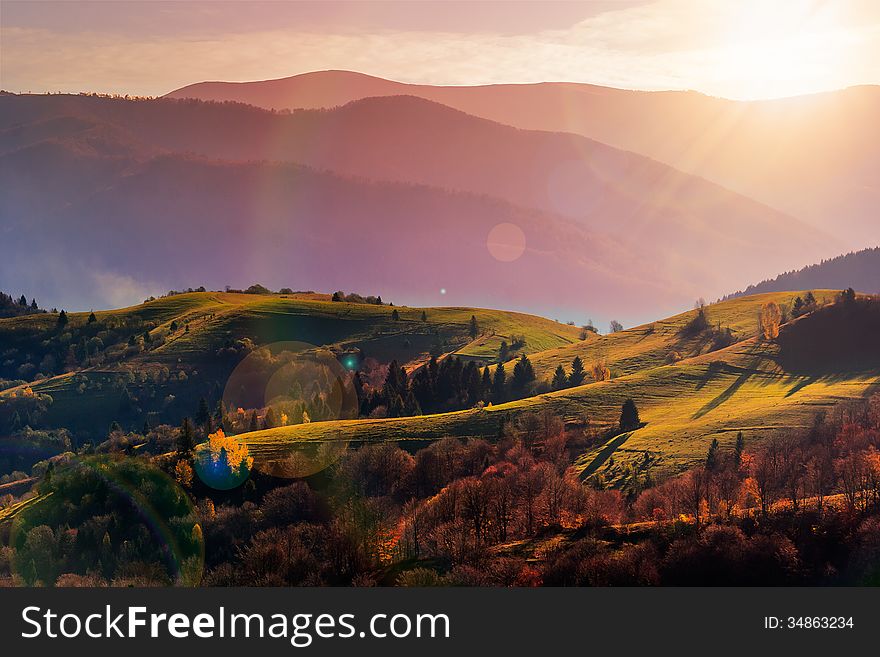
(726,395)
(606,453)
(800,385)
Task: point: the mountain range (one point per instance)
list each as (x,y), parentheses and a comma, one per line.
(116,198)
(814,157)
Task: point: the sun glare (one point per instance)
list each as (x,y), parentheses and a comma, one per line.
(787,48)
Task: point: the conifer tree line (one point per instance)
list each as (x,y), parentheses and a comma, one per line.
(576,376)
(444,385)
(12,307)
(451,383)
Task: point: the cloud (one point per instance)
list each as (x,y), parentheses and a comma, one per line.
(114,290)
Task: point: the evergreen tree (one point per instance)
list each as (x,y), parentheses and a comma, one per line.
(503,352)
(395,384)
(62,320)
(486,385)
(523,374)
(424,316)
(174,325)
(560,379)
(474,330)
(204,413)
(92,319)
(220,416)
(577,376)
(739,449)
(472,388)
(411,406)
(34,305)
(337,296)
(223,468)
(147,338)
(629,416)
(395,316)
(433,370)
(394,406)
(254,423)
(271,420)
(810,300)
(498,384)
(186,439)
(359,391)
(22,301)
(712,456)
(423,389)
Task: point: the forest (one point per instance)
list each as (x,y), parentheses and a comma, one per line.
(799,510)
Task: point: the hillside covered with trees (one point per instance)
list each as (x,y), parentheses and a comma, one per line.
(859,270)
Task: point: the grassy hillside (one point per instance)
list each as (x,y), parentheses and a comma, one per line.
(168,374)
(651,345)
(723,380)
(683,405)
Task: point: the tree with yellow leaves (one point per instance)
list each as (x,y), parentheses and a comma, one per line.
(183,473)
(600,371)
(222,462)
(769,320)
(228,450)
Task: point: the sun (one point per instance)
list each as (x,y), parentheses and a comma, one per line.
(784,48)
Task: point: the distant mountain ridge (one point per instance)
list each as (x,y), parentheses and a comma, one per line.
(814,157)
(103,212)
(858,270)
(158,194)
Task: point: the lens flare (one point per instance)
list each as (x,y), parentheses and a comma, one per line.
(121,519)
(506,242)
(223,462)
(284,387)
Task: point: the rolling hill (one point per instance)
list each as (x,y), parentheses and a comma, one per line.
(197,338)
(684,405)
(667,340)
(713,390)
(614,234)
(814,157)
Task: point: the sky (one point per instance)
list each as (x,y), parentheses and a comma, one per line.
(745,49)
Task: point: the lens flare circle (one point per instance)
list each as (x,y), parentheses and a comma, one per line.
(223,462)
(117,514)
(506,242)
(285,386)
